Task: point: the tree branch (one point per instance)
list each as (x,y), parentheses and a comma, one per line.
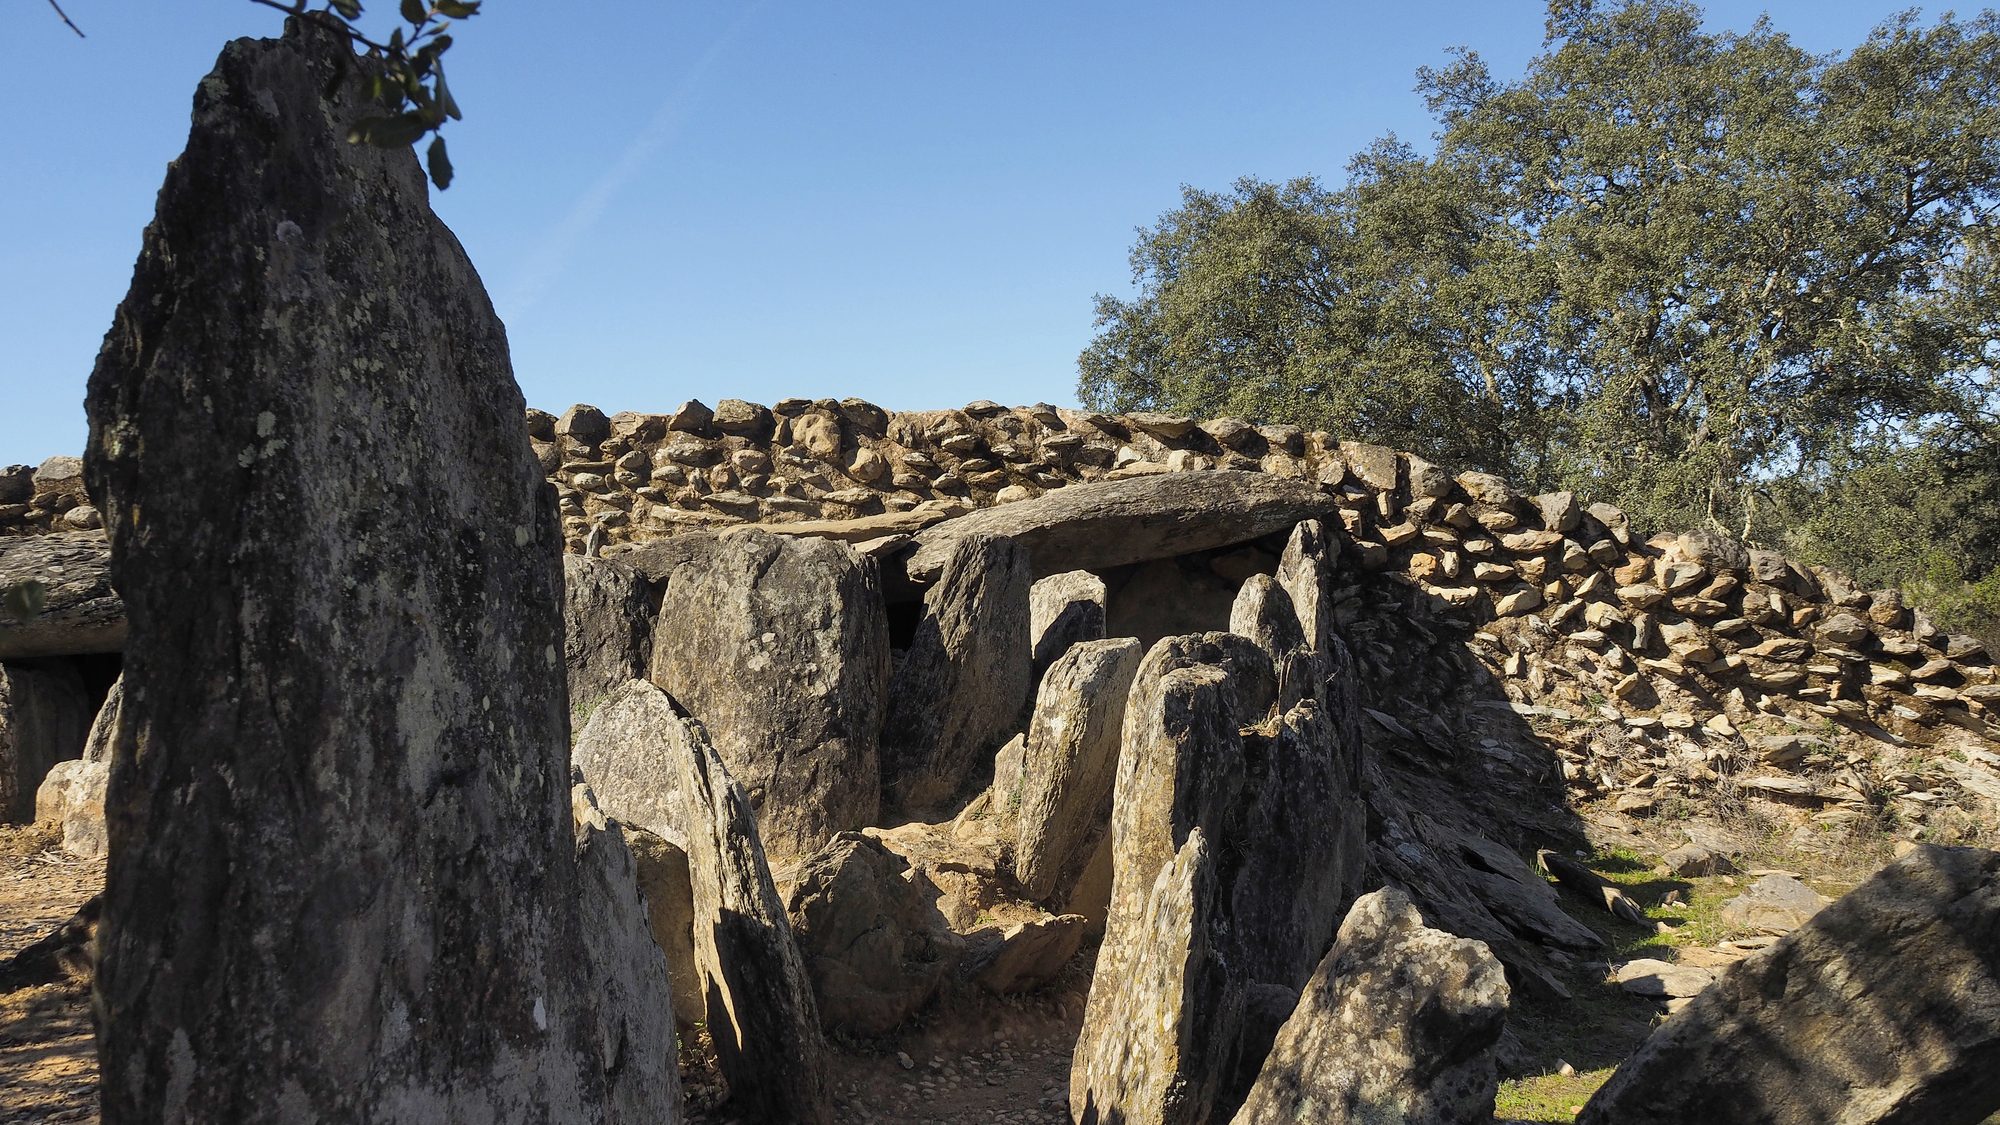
(67,22)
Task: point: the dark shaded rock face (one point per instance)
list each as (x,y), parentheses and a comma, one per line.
(44,716)
(343,884)
(1398,1024)
(961,690)
(780,647)
(607,628)
(1884,1007)
(72,794)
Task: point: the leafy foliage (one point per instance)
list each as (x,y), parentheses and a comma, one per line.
(24,600)
(410,84)
(1707,275)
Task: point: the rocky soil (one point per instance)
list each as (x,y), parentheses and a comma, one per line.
(976,1058)
(48,1052)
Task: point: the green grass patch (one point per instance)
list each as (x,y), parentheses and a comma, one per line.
(1548,1097)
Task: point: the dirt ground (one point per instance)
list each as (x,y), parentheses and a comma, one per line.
(48,1052)
(977,1058)
(974,1058)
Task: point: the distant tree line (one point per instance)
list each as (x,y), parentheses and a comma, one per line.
(1708,276)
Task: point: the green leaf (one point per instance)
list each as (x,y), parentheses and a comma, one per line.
(444,99)
(396,42)
(414,12)
(388,132)
(457,9)
(440,164)
(349,9)
(24,600)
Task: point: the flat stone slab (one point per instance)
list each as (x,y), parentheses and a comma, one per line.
(1111,523)
(82,613)
(1663,980)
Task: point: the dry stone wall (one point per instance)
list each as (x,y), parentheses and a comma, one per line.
(1657,666)
(1710,664)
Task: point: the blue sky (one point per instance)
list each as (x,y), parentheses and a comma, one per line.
(908,201)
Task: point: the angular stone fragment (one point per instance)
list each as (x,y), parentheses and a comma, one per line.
(72,794)
(630,752)
(1485,488)
(1166,427)
(692,416)
(668,888)
(635,1012)
(1885,1007)
(1775,904)
(873,941)
(761,1014)
(1263,612)
(607,628)
(744,419)
(81,613)
(1661,980)
(1559,511)
(1304,570)
(1373,465)
(44,716)
(1070,764)
(1147,1052)
(965,683)
(71,797)
(1426,480)
(342,883)
(1063,609)
(780,647)
(1026,955)
(59,482)
(1399,1024)
(1103,524)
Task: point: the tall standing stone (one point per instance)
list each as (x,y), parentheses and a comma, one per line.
(1263,612)
(964,685)
(342,883)
(1063,610)
(1203,958)
(761,1013)
(1304,570)
(655,770)
(779,645)
(635,1011)
(1070,764)
(1160,1068)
